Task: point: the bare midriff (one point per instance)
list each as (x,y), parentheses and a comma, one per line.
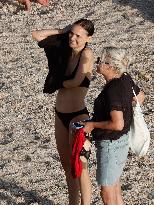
(71,99)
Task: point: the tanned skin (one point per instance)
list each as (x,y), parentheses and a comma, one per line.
(27,3)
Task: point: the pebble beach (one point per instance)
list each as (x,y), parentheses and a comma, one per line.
(30,169)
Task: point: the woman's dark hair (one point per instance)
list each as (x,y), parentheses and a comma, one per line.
(87,25)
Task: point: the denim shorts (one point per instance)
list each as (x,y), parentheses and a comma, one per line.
(111,159)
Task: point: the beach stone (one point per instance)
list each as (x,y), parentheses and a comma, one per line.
(151,195)
(126,187)
(27,158)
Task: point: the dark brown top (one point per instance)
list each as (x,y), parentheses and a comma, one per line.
(116,95)
(57,52)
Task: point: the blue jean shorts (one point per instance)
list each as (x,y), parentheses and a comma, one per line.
(111,159)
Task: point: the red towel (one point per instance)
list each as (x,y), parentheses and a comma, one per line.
(76,164)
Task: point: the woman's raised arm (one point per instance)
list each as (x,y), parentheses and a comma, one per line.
(42,34)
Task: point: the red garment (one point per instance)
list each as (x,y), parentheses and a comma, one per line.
(76,164)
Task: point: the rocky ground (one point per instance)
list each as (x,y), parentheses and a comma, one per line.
(30,170)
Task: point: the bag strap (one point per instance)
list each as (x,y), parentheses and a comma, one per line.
(137,104)
(135,94)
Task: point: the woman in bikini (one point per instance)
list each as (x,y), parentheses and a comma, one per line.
(72,64)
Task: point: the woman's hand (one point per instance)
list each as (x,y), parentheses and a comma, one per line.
(88,126)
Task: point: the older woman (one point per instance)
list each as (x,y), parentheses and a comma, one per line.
(70,69)
(111,122)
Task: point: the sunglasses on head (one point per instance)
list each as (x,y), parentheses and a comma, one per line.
(99,61)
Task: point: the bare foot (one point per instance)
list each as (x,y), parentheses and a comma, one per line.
(43,2)
(26,3)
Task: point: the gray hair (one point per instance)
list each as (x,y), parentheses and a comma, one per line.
(118,57)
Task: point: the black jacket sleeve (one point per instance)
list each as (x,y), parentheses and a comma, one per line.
(56,49)
(50,41)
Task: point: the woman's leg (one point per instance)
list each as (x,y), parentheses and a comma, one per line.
(111,158)
(108,195)
(62,140)
(84,180)
(111,195)
(119,198)
(85,185)
(43,2)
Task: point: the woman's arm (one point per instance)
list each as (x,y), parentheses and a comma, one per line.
(140,98)
(85,68)
(116,123)
(42,34)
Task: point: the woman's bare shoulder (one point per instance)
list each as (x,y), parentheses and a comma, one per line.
(87,53)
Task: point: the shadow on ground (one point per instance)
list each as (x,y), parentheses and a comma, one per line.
(10,193)
(146,7)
